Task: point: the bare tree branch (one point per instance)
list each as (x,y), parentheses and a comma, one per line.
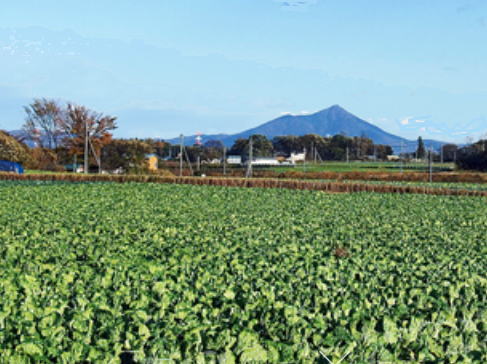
(43,122)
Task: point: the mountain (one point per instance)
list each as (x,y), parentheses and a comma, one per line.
(25,138)
(328,122)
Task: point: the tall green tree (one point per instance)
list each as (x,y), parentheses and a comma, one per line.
(262,147)
(421,150)
(287,144)
(382,151)
(449,152)
(473,157)
(212,149)
(311,142)
(127,154)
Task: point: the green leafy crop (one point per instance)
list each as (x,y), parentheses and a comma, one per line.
(166,273)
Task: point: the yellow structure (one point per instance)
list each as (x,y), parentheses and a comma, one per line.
(152,162)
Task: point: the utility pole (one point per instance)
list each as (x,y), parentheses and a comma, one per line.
(441,153)
(224,161)
(97,158)
(189,161)
(304,161)
(181,141)
(430,164)
(401,157)
(318,156)
(251,158)
(86,147)
(348,157)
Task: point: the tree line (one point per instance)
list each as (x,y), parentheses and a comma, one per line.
(314,146)
(65,134)
(447,153)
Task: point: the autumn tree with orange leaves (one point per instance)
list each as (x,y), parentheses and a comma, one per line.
(83,126)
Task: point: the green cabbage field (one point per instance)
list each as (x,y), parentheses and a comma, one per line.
(153,273)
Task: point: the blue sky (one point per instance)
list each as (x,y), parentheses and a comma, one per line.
(167,67)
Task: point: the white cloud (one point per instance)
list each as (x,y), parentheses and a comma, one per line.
(405,121)
(423,129)
(304,112)
(410,120)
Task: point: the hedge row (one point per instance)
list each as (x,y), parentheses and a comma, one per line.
(460,177)
(447,177)
(336,187)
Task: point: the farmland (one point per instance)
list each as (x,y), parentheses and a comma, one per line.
(106,272)
(371,166)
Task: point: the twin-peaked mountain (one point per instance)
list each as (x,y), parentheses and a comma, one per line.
(328,122)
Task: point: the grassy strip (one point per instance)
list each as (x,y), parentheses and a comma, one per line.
(242,182)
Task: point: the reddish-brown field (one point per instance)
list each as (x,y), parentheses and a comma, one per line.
(297,184)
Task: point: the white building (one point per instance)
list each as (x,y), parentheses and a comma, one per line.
(265,162)
(296,157)
(234,159)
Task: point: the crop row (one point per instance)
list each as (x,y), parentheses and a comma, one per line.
(444,185)
(326,186)
(297,173)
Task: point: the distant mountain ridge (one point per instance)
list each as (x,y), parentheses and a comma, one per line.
(328,122)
